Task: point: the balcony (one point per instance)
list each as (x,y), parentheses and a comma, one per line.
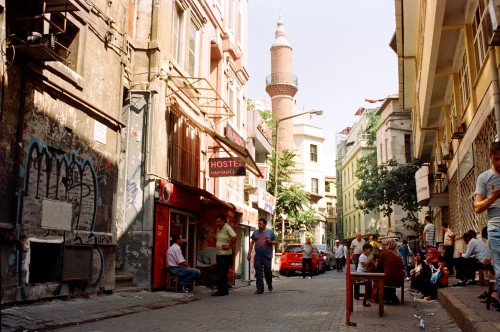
(281,83)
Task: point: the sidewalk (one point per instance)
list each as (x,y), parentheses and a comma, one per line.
(467,310)
(461,302)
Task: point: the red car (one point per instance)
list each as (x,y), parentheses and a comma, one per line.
(291,260)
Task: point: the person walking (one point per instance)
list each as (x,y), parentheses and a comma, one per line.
(339,256)
(356,249)
(405,252)
(177,265)
(263,240)
(449,246)
(226,237)
(429,234)
(486,199)
(307,251)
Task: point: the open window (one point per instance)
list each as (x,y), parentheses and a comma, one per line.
(41,30)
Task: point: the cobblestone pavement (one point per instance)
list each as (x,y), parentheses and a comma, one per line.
(295,305)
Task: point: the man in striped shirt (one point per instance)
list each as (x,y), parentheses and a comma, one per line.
(429,234)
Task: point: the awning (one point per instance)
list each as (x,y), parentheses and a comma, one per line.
(441,199)
(237,151)
(203,193)
(249,215)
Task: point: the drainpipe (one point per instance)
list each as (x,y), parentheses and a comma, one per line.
(496,89)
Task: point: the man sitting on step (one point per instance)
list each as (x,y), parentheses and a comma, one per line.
(177,265)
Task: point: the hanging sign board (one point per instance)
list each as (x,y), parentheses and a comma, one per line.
(220,167)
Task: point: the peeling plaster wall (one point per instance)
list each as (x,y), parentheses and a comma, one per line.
(55,147)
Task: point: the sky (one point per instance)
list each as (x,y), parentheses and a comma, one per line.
(341,56)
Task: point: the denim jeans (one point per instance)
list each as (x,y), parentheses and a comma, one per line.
(262,264)
(187,275)
(494,242)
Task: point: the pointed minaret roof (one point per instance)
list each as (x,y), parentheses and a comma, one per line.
(280,35)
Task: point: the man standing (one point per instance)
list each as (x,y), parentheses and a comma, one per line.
(339,255)
(177,265)
(357,249)
(226,237)
(264,240)
(486,199)
(429,234)
(307,258)
(405,252)
(449,246)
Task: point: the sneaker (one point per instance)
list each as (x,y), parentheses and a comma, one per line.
(270,288)
(184,290)
(258,292)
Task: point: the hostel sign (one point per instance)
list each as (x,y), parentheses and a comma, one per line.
(220,167)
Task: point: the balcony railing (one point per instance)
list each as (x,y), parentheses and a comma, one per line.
(282,78)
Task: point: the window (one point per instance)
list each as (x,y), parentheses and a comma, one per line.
(183,150)
(42,35)
(177,38)
(464,81)
(481,29)
(407,148)
(314,152)
(314,185)
(327,186)
(192,59)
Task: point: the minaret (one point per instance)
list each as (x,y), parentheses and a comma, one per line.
(281,86)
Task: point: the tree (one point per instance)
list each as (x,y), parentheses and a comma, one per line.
(383,186)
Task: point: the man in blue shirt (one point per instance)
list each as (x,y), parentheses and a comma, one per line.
(264,240)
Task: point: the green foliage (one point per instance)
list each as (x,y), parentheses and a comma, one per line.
(372,126)
(386,185)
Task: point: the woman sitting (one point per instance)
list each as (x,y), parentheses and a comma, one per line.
(391,263)
(438,279)
(419,274)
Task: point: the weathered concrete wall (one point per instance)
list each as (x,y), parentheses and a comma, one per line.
(59,163)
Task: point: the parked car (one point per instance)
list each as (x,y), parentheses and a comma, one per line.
(291,260)
(327,254)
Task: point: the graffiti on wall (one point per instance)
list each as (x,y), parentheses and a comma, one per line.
(52,173)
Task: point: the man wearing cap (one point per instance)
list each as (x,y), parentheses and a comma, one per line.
(339,255)
(177,265)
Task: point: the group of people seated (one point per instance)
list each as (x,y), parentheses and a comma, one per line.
(430,271)
(390,262)
(429,274)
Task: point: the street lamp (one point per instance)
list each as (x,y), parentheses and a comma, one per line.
(275,146)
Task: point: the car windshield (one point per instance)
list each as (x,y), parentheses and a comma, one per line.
(292,248)
(321,247)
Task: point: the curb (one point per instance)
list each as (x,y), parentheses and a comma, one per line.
(466,318)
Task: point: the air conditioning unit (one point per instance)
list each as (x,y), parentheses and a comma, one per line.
(250,182)
(457,130)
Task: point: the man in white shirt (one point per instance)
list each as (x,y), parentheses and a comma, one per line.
(339,255)
(467,264)
(357,249)
(177,265)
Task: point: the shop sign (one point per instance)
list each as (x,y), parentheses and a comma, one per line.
(264,169)
(220,167)
(249,215)
(234,137)
(177,196)
(265,200)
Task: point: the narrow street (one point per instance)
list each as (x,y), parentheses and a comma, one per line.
(296,304)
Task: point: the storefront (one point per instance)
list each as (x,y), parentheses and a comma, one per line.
(189,212)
